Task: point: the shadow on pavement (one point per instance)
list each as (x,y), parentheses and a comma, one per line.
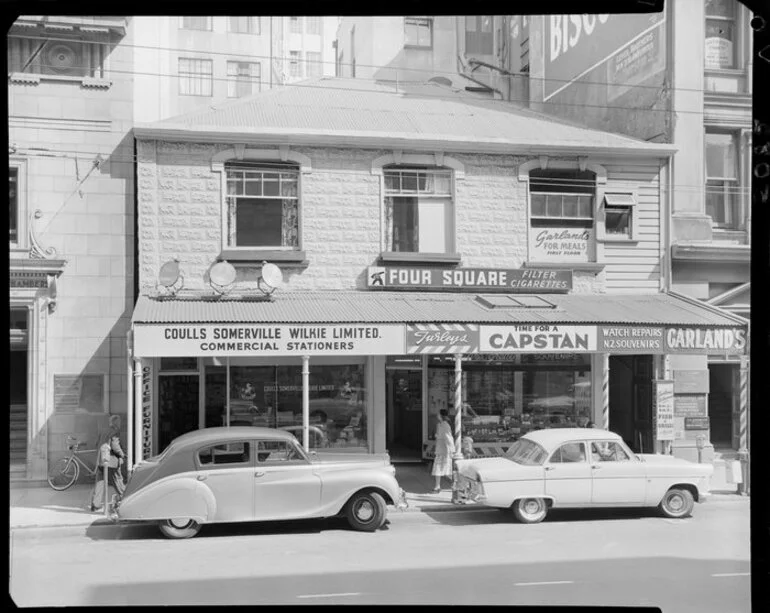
(504,516)
(150,531)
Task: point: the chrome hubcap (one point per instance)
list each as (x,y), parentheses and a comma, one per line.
(676,503)
(365,510)
(180,523)
(531,507)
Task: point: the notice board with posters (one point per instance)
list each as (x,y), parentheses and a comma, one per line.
(663,409)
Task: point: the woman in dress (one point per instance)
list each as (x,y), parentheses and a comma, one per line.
(445,448)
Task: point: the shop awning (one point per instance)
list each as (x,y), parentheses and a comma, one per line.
(432,307)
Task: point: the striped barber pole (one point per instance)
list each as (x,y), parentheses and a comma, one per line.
(743,431)
(606,391)
(442,338)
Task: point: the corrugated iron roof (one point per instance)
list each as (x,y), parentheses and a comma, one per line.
(331,105)
(432,307)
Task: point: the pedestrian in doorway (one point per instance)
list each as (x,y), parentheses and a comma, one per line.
(111,453)
(445,448)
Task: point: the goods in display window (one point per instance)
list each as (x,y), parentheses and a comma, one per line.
(504,399)
(271,396)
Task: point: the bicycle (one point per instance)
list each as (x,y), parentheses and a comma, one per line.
(66,471)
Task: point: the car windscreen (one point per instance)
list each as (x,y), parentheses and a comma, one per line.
(526,452)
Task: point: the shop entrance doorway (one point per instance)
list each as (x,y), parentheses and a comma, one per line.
(177,407)
(404,415)
(631,400)
(722,402)
(19,337)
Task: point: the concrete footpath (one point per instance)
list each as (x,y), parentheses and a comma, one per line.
(37,505)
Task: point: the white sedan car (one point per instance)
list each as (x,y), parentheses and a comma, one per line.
(580,467)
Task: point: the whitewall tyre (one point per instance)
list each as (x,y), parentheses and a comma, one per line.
(677,503)
(179,528)
(366,511)
(530,510)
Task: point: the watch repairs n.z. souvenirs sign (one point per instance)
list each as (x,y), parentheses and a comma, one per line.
(513,280)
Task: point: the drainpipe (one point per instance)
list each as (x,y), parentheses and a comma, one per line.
(130,409)
(306,402)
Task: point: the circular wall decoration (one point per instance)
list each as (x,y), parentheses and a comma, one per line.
(62,58)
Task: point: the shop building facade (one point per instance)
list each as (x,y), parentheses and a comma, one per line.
(502,264)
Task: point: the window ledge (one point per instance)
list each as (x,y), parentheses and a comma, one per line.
(594,267)
(399,257)
(35,79)
(725,72)
(291,259)
(618,240)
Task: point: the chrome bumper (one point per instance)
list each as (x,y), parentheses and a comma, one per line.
(401,503)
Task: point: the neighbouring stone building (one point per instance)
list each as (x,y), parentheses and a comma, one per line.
(71,176)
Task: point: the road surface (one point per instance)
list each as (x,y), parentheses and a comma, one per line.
(619,558)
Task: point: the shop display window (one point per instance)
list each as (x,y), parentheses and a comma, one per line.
(506,398)
(271,396)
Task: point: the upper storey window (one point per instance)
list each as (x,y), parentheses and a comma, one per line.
(418,209)
(418,32)
(13,184)
(479,37)
(722,185)
(263,205)
(562,198)
(195,23)
(721,33)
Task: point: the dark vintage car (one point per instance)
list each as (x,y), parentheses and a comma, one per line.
(239,474)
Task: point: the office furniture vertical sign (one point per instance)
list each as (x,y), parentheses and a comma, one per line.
(146,412)
(663,414)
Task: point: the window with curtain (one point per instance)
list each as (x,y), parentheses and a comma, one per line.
(479,37)
(313,67)
(418,209)
(243,25)
(13,204)
(243,79)
(295,69)
(195,23)
(722,188)
(720,33)
(263,205)
(313,25)
(195,77)
(418,32)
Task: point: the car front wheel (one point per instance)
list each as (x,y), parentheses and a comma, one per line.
(366,511)
(179,528)
(677,503)
(530,510)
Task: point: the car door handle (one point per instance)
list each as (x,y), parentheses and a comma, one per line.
(595,466)
(259,474)
(201,477)
(549,467)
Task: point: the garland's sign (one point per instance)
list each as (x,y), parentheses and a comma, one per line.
(705,340)
(560,244)
(537,338)
(514,280)
(191,340)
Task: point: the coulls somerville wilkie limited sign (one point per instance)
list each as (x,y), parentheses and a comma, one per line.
(513,280)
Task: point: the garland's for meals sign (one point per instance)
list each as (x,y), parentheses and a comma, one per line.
(513,280)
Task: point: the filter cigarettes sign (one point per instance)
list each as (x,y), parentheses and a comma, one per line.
(523,280)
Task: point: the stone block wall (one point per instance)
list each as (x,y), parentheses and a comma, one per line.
(181,216)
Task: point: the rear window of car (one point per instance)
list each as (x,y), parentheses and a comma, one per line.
(225,453)
(526,452)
